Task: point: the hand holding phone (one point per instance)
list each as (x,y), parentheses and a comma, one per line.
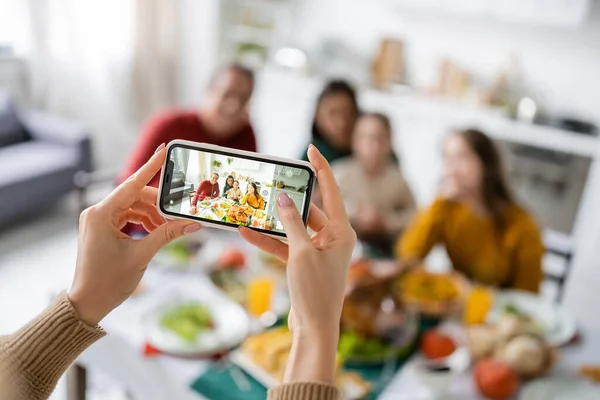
(201,170)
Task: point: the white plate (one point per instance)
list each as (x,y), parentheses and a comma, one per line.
(351,390)
(560,389)
(230,328)
(558,327)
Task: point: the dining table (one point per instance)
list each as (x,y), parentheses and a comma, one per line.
(124,356)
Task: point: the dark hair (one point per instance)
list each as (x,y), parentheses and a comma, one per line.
(333,87)
(384,120)
(255,188)
(228,178)
(234,67)
(214,174)
(495,189)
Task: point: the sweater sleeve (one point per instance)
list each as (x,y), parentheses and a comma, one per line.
(528,272)
(304,391)
(424,232)
(36,356)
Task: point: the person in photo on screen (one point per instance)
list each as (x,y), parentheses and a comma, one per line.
(207,189)
(235,193)
(222,119)
(228,185)
(253,198)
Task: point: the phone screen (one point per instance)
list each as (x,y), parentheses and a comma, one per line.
(230,189)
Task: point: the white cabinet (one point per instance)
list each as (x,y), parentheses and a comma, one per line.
(559,13)
(297,198)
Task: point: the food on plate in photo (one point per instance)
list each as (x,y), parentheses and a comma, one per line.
(219,212)
(188,320)
(237,215)
(205,203)
(436,344)
(495,379)
(225,205)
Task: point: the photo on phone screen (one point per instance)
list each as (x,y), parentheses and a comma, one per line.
(231,189)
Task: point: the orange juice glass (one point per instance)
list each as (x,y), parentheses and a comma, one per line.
(478,305)
(260,295)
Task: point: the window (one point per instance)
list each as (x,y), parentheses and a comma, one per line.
(14,27)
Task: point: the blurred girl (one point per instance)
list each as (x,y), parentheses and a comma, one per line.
(487,235)
(253,198)
(228,185)
(334,119)
(378,200)
(234,193)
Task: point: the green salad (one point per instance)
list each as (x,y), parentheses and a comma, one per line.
(188,320)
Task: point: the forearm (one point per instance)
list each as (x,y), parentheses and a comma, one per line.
(312,358)
(311,369)
(36,356)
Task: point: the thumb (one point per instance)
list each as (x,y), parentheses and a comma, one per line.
(165,234)
(291,220)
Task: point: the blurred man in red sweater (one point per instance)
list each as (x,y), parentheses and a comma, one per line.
(221,120)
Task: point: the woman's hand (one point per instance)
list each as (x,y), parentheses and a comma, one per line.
(317,268)
(111,264)
(193,210)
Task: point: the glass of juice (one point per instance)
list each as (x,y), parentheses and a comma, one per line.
(260,294)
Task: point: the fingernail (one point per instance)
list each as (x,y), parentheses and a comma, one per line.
(191,228)
(159,148)
(284,200)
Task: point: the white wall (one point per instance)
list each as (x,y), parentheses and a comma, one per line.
(561,64)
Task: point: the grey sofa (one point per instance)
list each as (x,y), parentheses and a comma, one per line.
(39,155)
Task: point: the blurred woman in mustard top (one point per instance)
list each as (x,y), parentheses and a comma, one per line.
(487,235)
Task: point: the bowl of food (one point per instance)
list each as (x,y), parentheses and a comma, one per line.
(433,294)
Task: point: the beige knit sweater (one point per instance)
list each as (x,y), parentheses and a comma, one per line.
(34,358)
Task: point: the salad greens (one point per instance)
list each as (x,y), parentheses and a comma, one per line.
(188,320)
(354,346)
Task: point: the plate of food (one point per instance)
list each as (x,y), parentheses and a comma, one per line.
(533,314)
(433,294)
(264,357)
(375,326)
(193,327)
(238,215)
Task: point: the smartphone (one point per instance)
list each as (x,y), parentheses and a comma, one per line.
(227,188)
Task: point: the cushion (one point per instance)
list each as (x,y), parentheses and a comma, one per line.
(11,129)
(27,160)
